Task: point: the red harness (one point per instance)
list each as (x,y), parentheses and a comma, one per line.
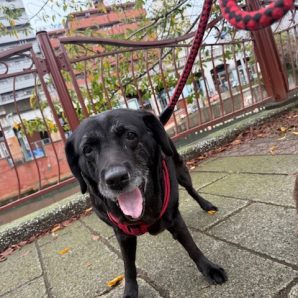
(139,227)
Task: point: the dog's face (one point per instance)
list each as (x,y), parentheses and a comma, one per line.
(115,154)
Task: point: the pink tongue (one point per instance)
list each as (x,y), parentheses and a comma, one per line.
(131,203)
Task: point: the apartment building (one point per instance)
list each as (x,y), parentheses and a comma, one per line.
(16,92)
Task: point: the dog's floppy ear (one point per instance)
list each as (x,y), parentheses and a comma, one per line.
(159,133)
(73,162)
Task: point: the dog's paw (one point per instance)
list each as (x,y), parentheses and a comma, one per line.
(130,295)
(210,208)
(130,291)
(214,273)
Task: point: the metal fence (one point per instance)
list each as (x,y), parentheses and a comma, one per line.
(85,76)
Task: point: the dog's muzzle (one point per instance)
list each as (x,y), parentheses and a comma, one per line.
(117,178)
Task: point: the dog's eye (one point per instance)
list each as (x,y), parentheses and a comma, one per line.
(131,135)
(87,150)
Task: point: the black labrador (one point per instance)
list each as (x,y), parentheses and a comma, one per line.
(131,169)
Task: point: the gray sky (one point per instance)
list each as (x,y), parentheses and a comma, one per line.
(50,8)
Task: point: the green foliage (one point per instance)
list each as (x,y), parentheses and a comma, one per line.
(9,17)
(38,125)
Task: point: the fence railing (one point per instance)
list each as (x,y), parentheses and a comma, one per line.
(86,76)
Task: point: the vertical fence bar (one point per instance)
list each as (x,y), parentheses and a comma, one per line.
(58,79)
(134,79)
(150,82)
(90,96)
(182,95)
(259,87)
(197,96)
(102,77)
(247,72)
(25,132)
(238,77)
(228,77)
(275,80)
(291,56)
(74,81)
(40,73)
(216,83)
(166,87)
(13,162)
(119,80)
(211,115)
(49,133)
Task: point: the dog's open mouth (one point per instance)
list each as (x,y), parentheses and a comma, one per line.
(132,203)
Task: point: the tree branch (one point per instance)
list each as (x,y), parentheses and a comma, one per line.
(157,19)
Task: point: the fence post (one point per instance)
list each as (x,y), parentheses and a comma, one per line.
(275,79)
(59,82)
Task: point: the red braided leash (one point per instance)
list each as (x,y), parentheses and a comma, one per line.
(254,20)
(247,20)
(167,113)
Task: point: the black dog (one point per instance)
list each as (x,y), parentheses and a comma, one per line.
(131,169)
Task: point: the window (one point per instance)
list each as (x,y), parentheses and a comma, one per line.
(3,150)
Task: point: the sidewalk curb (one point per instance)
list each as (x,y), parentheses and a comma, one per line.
(39,221)
(42,220)
(226,134)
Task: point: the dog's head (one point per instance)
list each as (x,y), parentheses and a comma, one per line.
(115,154)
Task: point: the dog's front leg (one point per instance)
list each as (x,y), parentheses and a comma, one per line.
(213,272)
(128,246)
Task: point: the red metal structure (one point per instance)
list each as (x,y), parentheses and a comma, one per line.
(84,76)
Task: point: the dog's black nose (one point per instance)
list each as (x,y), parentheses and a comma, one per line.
(116,177)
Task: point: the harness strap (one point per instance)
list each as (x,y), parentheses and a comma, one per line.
(140,228)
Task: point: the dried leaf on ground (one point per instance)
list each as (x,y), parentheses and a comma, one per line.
(56,228)
(283,129)
(67,222)
(95,237)
(272,149)
(54,235)
(25,253)
(295,133)
(88,211)
(114,282)
(64,251)
(2,258)
(236,142)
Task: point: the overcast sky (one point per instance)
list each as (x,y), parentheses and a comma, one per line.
(37,8)
(49,7)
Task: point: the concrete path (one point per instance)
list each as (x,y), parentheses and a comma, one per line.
(253,236)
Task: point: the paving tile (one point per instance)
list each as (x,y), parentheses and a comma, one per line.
(145,291)
(294,292)
(195,217)
(267,229)
(58,234)
(84,270)
(276,189)
(201,179)
(277,164)
(169,266)
(96,224)
(249,274)
(33,289)
(20,267)
(264,147)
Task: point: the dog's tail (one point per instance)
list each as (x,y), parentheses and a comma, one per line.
(296,192)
